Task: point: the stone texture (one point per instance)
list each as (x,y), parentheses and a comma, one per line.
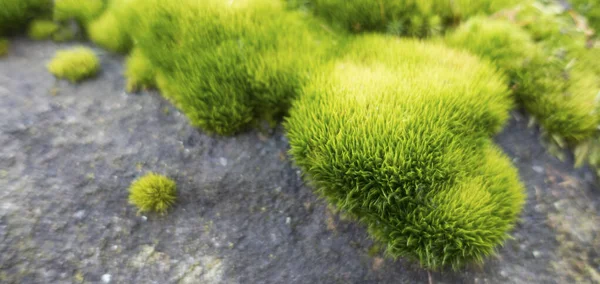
(244,215)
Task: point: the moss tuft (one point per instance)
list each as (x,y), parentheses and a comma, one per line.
(404,17)
(42,29)
(82,11)
(4,45)
(139,72)
(397,133)
(109,30)
(228,65)
(16,14)
(153,192)
(591,9)
(75,64)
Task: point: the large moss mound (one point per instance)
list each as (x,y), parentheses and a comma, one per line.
(397,133)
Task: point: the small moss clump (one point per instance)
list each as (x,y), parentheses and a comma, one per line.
(42,29)
(139,72)
(153,192)
(404,17)
(228,65)
(75,64)
(3,47)
(397,133)
(16,14)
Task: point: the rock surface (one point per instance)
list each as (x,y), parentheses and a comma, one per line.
(244,215)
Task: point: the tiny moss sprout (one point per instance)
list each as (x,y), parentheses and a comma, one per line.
(153,192)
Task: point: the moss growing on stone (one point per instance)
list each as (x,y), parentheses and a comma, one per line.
(42,29)
(153,192)
(139,72)
(16,14)
(404,17)
(397,133)
(81,11)
(228,65)
(3,47)
(74,64)
(557,89)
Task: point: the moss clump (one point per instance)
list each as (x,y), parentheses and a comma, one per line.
(555,88)
(75,64)
(109,30)
(228,65)
(404,17)
(82,11)
(3,47)
(15,14)
(397,133)
(139,72)
(153,192)
(42,29)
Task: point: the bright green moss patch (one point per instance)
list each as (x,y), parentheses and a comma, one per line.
(139,72)
(75,64)
(228,65)
(42,29)
(404,17)
(109,30)
(397,133)
(153,192)
(549,81)
(15,14)
(3,47)
(82,11)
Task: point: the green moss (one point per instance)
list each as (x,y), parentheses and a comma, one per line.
(109,29)
(397,133)
(75,64)
(42,29)
(139,72)
(4,45)
(591,9)
(82,11)
(64,33)
(548,80)
(153,192)
(228,65)
(16,14)
(404,17)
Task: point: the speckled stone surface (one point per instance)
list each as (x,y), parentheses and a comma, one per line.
(244,215)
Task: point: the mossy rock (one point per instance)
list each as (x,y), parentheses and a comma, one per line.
(397,133)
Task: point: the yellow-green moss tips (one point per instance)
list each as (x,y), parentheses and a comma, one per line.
(228,65)
(3,47)
(153,192)
(42,29)
(397,133)
(74,64)
(109,30)
(139,72)
(82,11)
